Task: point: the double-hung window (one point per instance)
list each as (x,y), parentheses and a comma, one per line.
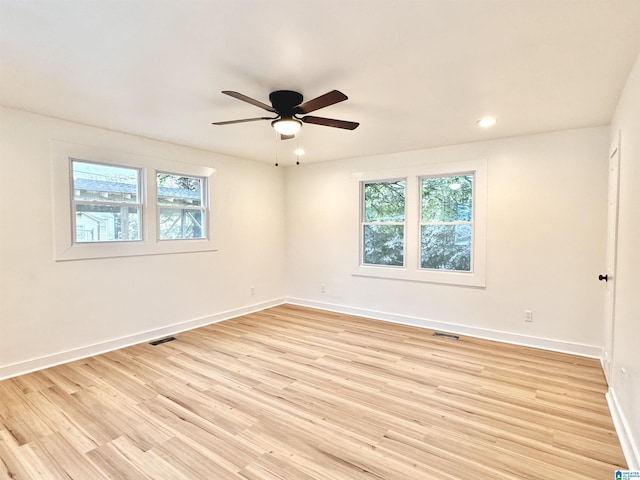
(106,202)
(446,222)
(383,223)
(182,204)
(117,204)
(428,225)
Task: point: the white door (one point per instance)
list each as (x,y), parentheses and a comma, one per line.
(612,239)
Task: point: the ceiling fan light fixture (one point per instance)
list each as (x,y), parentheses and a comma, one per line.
(287,126)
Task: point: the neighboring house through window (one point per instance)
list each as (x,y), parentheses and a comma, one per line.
(112,204)
(181,206)
(107,202)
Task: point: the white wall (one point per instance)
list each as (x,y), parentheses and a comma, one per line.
(625,387)
(545,242)
(52,311)
(546,246)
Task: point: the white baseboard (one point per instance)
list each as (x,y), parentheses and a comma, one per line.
(31,365)
(591,351)
(630,447)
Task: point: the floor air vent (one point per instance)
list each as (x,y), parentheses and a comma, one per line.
(161,341)
(446,335)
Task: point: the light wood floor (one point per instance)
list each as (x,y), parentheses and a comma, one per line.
(298,394)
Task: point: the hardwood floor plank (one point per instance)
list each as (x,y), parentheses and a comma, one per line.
(18,462)
(193,464)
(61,455)
(301,394)
(116,464)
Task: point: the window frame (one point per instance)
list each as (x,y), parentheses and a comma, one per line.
(203,207)
(363,222)
(66,249)
(470,223)
(140,204)
(412,270)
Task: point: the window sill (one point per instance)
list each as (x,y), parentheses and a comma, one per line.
(87,251)
(463,279)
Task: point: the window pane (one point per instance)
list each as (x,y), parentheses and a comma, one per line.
(104,223)
(447,199)
(179,190)
(384,201)
(383,245)
(104,183)
(181,223)
(446,247)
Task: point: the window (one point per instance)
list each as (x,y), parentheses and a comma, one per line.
(181,206)
(114,204)
(106,203)
(428,225)
(446,222)
(383,223)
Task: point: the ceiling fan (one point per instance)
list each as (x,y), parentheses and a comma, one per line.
(288,107)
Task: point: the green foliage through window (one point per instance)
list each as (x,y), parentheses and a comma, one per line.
(384,201)
(383,223)
(446,222)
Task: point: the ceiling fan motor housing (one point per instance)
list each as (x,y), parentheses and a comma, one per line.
(284,101)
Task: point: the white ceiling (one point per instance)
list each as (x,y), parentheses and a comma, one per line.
(418,73)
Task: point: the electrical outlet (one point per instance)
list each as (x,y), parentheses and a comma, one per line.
(323,288)
(528,316)
(252,290)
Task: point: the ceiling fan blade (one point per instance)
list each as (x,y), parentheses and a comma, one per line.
(330,122)
(286,137)
(229,122)
(329,98)
(250,100)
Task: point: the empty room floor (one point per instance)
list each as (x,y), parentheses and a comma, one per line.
(297,393)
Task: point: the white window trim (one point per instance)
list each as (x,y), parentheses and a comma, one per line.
(412,271)
(204,206)
(66,249)
(74,212)
(363,223)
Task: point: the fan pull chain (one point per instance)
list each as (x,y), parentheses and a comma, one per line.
(298,149)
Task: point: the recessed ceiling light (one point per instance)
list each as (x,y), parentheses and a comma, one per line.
(487,122)
(299,151)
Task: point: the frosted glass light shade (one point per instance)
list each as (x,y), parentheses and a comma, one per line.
(287,126)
